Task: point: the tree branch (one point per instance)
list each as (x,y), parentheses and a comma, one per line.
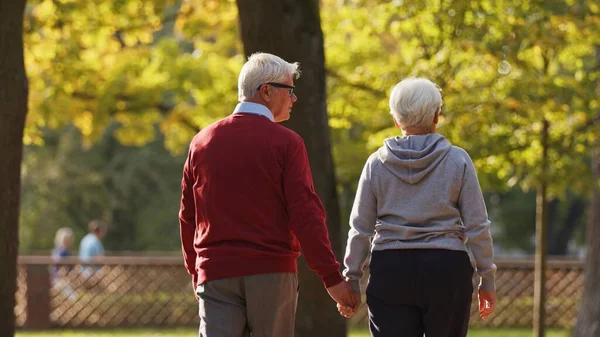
(162,107)
(589,123)
(360,86)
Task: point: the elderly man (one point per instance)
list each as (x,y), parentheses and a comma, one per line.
(248,205)
(91,244)
(419,201)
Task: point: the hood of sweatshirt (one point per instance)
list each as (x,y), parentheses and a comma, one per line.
(411,158)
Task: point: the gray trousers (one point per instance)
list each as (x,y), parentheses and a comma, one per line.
(261,305)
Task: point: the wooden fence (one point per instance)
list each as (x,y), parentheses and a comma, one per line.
(157,291)
(514,288)
(113,292)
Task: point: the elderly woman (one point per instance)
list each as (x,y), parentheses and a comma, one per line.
(63,240)
(417,205)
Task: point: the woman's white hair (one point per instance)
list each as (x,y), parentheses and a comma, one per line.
(262,68)
(414,102)
(62,234)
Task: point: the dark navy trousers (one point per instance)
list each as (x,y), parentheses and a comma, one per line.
(416,292)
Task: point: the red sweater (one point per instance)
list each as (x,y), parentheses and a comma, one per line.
(248,203)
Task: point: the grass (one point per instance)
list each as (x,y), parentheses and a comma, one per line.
(485,333)
(183,332)
(187,332)
(514,333)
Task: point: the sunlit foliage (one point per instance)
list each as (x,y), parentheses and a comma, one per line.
(159,70)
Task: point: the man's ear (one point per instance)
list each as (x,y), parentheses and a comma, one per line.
(396,123)
(265,93)
(436,117)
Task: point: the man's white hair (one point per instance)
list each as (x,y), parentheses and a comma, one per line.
(62,234)
(414,102)
(262,68)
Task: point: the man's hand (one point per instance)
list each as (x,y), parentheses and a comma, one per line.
(349,311)
(194,286)
(343,294)
(487,303)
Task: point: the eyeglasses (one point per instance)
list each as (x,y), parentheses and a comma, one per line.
(281,85)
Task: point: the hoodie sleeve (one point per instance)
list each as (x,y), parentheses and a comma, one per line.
(362,229)
(475,218)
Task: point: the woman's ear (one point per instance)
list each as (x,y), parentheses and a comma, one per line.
(436,117)
(396,123)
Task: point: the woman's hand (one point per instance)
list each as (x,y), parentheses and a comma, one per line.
(487,303)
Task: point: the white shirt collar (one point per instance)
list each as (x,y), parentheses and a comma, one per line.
(254,108)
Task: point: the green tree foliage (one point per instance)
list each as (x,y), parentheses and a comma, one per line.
(136,190)
(513,214)
(503,66)
(141,63)
(133,78)
(170,67)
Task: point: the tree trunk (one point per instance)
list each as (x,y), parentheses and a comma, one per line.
(588,320)
(13,109)
(291,29)
(541,224)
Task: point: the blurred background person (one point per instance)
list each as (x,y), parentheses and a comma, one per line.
(63,241)
(91,244)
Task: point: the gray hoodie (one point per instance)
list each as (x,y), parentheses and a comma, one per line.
(419,192)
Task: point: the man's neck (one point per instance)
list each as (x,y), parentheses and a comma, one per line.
(256,100)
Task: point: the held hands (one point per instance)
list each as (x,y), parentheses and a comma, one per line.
(487,303)
(348,311)
(347,299)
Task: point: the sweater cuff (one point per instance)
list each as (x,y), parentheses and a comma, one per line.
(487,283)
(355,284)
(332,279)
(195,280)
